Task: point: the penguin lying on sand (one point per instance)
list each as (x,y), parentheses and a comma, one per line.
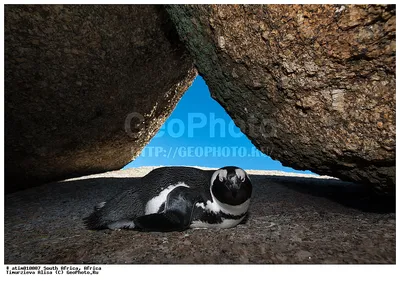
(177,198)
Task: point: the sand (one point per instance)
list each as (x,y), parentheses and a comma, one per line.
(294,218)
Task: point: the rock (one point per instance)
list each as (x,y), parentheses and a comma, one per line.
(313,85)
(303,255)
(86,87)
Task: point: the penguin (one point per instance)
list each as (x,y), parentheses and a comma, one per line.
(177,198)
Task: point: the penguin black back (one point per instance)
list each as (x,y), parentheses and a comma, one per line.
(119,210)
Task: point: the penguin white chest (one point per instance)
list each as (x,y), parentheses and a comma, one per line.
(154,204)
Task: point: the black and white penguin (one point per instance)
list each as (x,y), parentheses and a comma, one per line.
(178,198)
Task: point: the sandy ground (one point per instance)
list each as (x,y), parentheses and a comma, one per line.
(293,219)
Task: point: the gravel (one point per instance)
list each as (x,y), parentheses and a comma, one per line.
(294,218)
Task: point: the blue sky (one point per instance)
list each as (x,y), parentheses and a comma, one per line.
(200,133)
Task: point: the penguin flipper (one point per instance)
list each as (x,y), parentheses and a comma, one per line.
(177,214)
(161,222)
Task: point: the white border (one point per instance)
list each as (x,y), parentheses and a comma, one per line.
(202,272)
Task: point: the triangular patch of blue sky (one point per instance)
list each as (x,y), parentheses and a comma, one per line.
(200,133)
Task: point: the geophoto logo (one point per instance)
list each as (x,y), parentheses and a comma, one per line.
(216,127)
(200,151)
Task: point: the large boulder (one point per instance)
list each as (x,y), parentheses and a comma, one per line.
(311,85)
(86,87)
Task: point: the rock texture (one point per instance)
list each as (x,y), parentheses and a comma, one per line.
(312,85)
(86,87)
(292,220)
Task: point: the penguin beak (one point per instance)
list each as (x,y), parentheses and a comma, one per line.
(233,187)
(234,193)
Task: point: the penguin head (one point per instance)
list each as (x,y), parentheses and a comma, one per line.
(231,185)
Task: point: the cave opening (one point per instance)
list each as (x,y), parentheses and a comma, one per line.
(199,132)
